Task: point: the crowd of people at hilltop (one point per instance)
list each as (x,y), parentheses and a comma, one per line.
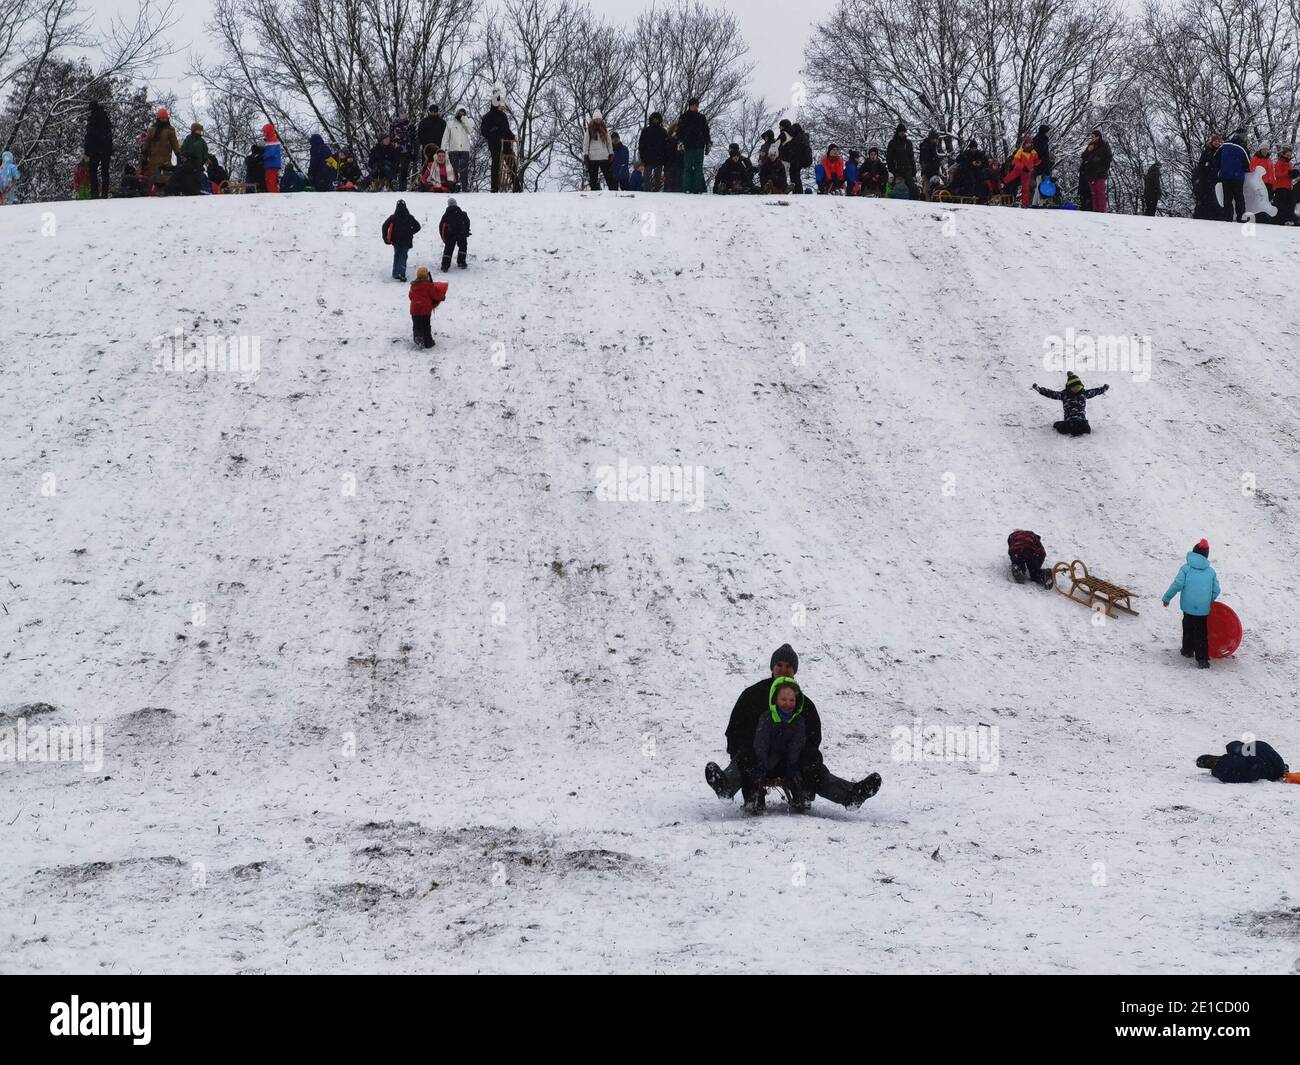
(434,155)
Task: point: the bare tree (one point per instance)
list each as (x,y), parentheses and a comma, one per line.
(36,34)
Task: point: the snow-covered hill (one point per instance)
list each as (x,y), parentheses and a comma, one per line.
(448,705)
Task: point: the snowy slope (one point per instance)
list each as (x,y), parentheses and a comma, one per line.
(533,677)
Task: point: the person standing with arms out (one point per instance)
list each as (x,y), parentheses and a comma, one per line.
(695,139)
(1094,169)
(99,149)
(1151,191)
(455,142)
(495,128)
(1197,587)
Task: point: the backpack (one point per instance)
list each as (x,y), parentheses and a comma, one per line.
(386,231)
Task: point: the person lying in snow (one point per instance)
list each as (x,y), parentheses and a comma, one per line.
(779,741)
(1074,399)
(1027,556)
(743,724)
(1245,763)
(1197,587)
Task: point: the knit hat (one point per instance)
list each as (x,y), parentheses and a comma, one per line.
(422,274)
(733,149)
(197,127)
(596,116)
(451,201)
(163,116)
(785,653)
(900,128)
(1203,548)
(833,148)
(1072,380)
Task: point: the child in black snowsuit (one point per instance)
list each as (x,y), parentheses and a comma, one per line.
(779,742)
(1244,763)
(1027,556)
(454,230)
(1075,401)
(399,230)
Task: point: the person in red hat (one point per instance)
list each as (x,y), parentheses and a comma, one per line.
(1197,587)
(272,159)
(160,145)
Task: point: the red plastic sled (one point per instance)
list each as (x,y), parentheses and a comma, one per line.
(1224,630)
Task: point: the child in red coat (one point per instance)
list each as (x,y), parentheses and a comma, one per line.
(426,294)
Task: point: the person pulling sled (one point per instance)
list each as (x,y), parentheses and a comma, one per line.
(1074,399)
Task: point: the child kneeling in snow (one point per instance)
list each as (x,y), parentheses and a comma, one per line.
(425,295)
(1074,401)
(1027,556)
(779,741)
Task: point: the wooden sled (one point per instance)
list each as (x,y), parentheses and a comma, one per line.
(1090,590)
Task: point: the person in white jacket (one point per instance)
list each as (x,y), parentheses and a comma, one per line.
(598,153)
(455,142)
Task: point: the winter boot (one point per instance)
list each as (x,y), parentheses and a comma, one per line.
(862,791)
(1203,665)
(717,780)
(1208,761)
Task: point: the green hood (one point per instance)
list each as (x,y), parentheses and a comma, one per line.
(771,700)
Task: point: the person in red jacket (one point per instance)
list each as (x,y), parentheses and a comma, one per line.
(1027,555)
(1023,165)
(426,294)
(833,170)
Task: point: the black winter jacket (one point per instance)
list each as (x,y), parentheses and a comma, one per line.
(454,224)
(1096,162)
(654,144)
(431,130)
(1075,404)
(1238,767)
(693,131)
(751,705)
(404,226)
(99,131)
(900,157)
(495,126)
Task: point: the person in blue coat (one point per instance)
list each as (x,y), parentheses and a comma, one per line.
(621,162)
(319,172)
(1234,164)
(8,178)
(1197,587)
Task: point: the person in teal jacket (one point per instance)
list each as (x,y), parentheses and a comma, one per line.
(1197,586)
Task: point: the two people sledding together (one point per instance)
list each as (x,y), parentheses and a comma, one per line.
(775,735)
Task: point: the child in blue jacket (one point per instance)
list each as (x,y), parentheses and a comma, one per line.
(1197,587)
(621,163)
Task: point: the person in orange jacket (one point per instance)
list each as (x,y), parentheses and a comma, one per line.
(1021,172)
(425,296)
(832,170)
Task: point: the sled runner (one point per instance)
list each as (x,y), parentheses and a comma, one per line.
(1090,590)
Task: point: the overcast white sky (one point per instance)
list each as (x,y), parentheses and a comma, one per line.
(777,31)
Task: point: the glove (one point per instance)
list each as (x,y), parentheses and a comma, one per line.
(1165,601)
(1034,387)
(1105,388)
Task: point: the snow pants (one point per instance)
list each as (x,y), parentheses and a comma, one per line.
(272,181)
(816,777)
(1074,427)
(598,168)
(422,328)
(454,244)
(1234,200)
(693,171)
(1196,637)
